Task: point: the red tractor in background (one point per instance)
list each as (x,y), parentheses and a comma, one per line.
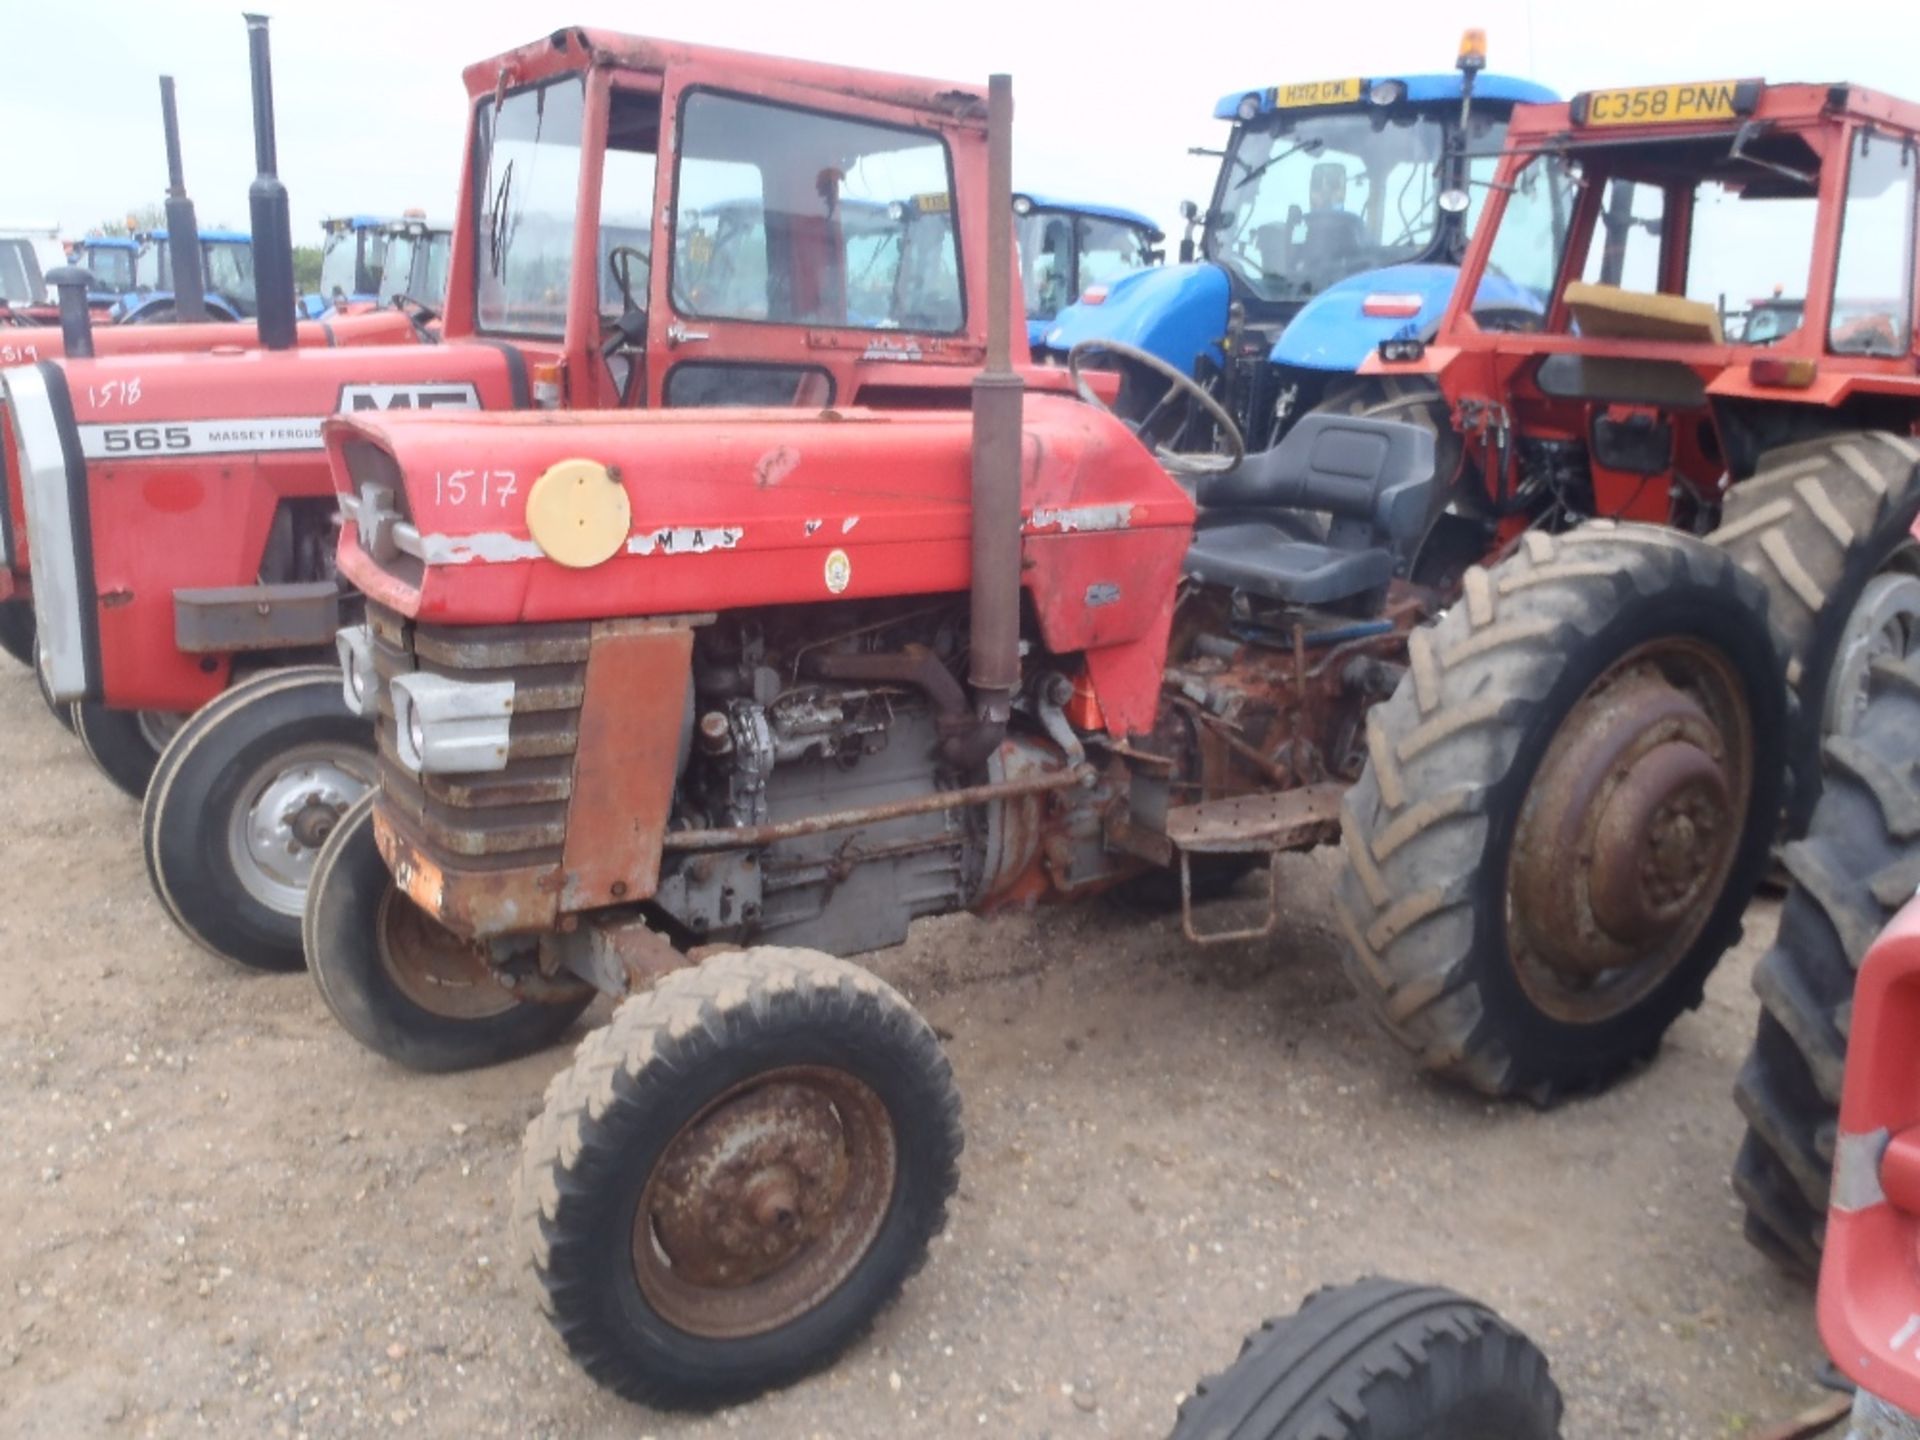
(182,516)
(1588,365)
(713,701)
(189,332)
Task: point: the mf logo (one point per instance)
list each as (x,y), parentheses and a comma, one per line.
(451,396)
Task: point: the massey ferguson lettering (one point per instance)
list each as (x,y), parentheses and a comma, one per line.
(248,434)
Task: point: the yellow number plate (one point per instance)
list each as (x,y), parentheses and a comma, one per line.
(938,203)
(1316,92)
(1664,104)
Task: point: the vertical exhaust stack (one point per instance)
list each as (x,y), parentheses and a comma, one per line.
(70,285)
(267,202)
(183,230)
(994,664)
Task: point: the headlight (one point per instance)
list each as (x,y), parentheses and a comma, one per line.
(1022,205)
(354,645)
(1387,92)
(444,726)
(1249,107)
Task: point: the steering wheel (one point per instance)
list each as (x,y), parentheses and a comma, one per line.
(1183,392)
(419,315)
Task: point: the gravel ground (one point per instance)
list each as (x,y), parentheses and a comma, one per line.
(218,1215)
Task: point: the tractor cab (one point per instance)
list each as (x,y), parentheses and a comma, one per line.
(352,258)
(110,260)
(1339,213)
(27,254)
(1071,251)
(226,260)
(415,266)
(1600,357)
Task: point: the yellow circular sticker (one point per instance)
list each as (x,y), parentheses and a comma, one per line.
(578,513)
(839,571)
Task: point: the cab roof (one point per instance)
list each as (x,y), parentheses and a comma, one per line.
(213,233)
(575,48)
(1796,101)
(1116,213)
(356,222)
(109,242)
(1421,90)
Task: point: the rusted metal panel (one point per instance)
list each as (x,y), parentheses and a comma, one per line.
(256,617)
(626,761)
(1269,820)
(473,902)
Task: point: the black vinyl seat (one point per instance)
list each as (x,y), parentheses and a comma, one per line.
(1374,478)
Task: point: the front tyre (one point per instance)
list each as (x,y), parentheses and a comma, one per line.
(1380,1360)
(124,745)
(400,983)
(737,1174)
(240,803)
(1567,804)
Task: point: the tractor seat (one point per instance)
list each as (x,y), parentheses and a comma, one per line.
(1374,478)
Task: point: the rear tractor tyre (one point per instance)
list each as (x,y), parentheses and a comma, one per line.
(1826,525)
(1379,1360)
(1858,864)
(241,802)
(1567,804)
(737,1174)
(401,984)
(124,745)
(17,631)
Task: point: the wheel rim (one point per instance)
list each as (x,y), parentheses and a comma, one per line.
(434,968)
(765,1202)
(1629,830)
(285,811)
(157,727)
(1885,622)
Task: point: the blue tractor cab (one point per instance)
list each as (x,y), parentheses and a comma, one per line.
(352,261)
(226,259)
(110,260)
(1338,218)
(1069,250)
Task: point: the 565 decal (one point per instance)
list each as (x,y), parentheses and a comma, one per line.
(255,434)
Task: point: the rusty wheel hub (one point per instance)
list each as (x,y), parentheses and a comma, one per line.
(433,967)
(763,1204)
(1629,830)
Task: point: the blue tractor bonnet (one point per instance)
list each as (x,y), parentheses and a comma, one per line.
(1175,312)
(1420,90)
(1333,331)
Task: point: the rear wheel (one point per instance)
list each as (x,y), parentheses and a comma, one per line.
(1826,525)
(60,710)
(737,1174)
(241,802)
(1567,805)
(1859,863)
(1380,1360)
(124,745)
(16,629)
(401,984)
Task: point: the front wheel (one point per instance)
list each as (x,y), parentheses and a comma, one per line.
(1380,1360)
(400,983)
(124,745)
(1567,804)
(241,802)
(737,1174)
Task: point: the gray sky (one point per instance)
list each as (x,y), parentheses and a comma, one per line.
(371,108)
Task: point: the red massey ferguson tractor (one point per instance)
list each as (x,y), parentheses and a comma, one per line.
(180,508)
(190,334)
(709,702)
(1693,305)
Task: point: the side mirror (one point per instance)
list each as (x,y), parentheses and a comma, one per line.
(1186,251)
(1189,211)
